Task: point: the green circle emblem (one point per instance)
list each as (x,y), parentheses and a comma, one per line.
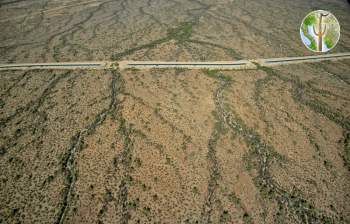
(320,31)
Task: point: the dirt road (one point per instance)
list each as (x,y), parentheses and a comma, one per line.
(242,64)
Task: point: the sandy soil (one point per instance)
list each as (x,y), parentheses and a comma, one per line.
(266,145)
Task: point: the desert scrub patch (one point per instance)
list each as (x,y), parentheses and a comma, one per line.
(305,211)
(262,155)
(347,149)
(138,162)
(178,71)
(233,53)
(217,75)
(134,204)
(299,94)
(247,219)
(132,70)
(225,217)
(140,133)
(248,160)
(218,125)
(187,140)
(195,190)
(130,51)
(181,33)
(260,84)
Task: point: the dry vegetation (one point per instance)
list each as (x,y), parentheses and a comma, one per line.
(39,31)
(171,146)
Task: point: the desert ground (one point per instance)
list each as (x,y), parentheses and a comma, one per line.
(262,145)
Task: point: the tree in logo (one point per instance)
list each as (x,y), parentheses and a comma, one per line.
(320,31)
